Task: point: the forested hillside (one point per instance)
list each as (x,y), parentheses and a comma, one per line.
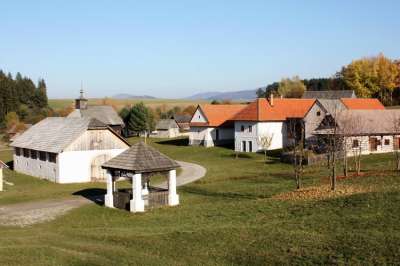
(22,96)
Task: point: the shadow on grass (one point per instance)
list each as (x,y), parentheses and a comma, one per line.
(93,194)
(222,195)
(175,142)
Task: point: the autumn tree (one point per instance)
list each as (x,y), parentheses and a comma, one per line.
(296,135)
(291,88)
(372,77)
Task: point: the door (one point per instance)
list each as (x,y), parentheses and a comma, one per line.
(250,146)
(98,173)
(244,146)
(396,143)
(373,144)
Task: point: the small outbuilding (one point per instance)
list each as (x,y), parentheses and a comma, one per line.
(138,164)
(2,166)
(167,128)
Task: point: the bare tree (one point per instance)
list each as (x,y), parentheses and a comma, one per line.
(296,134)
(264,142)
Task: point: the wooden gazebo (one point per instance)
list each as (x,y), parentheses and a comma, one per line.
(138,164)
(2,165)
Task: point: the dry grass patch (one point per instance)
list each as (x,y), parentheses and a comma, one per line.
(323,192)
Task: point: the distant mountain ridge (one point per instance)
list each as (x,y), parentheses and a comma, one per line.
(130,96)
(231,95)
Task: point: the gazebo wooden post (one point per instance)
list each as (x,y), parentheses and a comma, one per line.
(173,198)
(109,197)
(137,202)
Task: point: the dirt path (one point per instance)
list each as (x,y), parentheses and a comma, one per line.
(25,214)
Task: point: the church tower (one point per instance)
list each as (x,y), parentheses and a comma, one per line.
(81,102)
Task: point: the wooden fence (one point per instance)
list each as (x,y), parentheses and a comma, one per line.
(157,199)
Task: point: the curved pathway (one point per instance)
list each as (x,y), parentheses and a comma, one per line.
(29,213)
(191,172)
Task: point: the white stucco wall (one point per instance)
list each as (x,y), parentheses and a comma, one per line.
(75,166)
(364,142)
(36,167)
(206,136)
(258,129)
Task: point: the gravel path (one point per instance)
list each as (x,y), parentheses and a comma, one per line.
(25,214)
(191,172)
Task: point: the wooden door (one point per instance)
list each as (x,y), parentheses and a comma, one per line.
(98,173)
(373,144)
(396,143)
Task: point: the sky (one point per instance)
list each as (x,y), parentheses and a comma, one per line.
(173,49)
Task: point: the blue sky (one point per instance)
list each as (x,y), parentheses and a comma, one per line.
(174,49)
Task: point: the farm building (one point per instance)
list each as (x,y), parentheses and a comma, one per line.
(183,122)
(331,94)
(212,124)
(166,128)
(103,113)
(67,150)
(364,131)
(2,166)
(138,164)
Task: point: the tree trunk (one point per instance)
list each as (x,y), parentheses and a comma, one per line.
(345,163)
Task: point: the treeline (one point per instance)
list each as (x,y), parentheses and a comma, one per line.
(141,119)
(21,96)
(370,77)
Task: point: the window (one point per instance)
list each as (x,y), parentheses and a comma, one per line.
(387,141)
(18,151)
(42,156)
(250,146)
(52,157)
(26,153)
(242,128)
(250,128)
(244,146)
(318,113)
(355,143)
(33,154)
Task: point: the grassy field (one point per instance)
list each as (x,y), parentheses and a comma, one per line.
(120,103)
(237,215)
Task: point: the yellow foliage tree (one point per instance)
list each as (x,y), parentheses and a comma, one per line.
(291,88)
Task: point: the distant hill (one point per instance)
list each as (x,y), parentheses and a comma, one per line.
(232,95)
(130,96)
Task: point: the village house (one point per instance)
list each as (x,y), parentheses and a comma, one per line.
(2,166)
(212,124)
(166,128)
(103,113)
(67,150)
(267,118)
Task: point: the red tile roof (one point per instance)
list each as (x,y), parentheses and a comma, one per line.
(218,114)
(362,104)
(262,110)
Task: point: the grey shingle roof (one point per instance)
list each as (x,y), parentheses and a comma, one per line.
(332,106)
(166,124)
(182,118)
(104,113)
(366,122)
(54,134)
(141,158)
(337,94)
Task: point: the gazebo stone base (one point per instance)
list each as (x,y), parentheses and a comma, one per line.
(137,205)
(173,200)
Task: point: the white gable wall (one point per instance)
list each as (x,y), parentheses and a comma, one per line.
(198,117)
(277,129)
(76,166)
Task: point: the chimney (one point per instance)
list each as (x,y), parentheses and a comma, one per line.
(81,102)
(271,99)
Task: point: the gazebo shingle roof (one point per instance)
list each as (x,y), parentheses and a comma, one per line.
(141,158)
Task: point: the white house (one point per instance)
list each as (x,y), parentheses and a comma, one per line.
(267,118)
(212,124)
(67,150)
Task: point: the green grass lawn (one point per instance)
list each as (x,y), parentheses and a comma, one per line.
(230,217)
